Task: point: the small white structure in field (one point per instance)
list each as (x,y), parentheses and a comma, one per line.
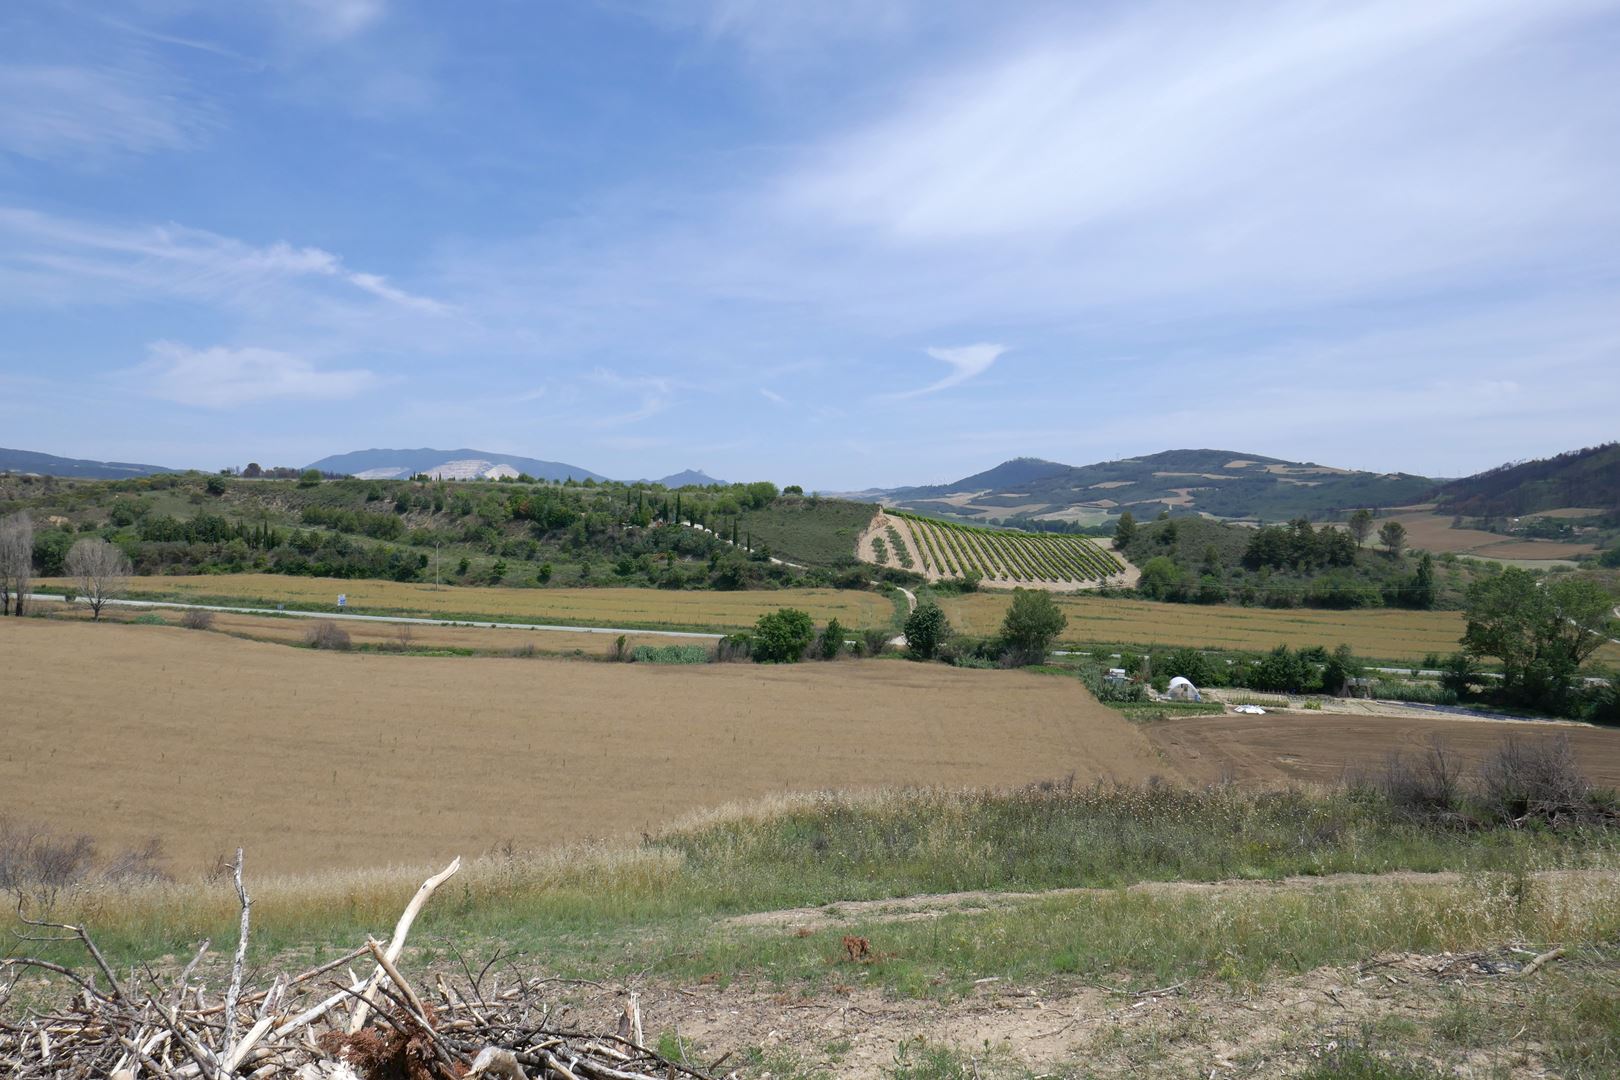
(1117,676)
(1182,690)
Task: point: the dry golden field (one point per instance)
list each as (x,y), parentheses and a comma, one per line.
(1381,633)
(315,759)
(387,636)
(581,607)
(1433,532)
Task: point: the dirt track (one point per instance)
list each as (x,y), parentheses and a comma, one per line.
(316,760)
(1281,748)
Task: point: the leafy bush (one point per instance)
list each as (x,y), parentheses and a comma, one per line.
(1189,664)
(670,654)
(197,619)
(782,636)
(149,618)
(739,646)
(875,642)
(327,634)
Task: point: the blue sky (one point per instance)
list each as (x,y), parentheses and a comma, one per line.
(842,244)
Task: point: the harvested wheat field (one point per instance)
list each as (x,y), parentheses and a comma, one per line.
(1386,633)
(1292,748)
(701,609)
(314,759)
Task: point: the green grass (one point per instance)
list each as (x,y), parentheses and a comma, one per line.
(581,906)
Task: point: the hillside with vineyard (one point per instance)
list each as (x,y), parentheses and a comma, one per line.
(950,551)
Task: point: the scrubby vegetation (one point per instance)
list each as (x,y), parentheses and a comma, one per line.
(514,533)
(1196,560)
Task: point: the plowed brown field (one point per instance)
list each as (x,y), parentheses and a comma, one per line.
(1284,748)
(316,760)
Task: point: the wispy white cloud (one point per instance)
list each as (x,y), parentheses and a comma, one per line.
(222,377)
(89,114)
(965,361)
(772,396)
(654,394)
(81,261)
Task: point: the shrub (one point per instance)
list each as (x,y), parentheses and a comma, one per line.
(875,642)
(621,650)
(327,634)
(832,640)
(926,630)
(739,646)
(197,619)
(670,654)
(1429,787)
(782,636)
(149,618)
(1534,780)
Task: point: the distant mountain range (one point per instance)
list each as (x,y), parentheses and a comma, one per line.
(1219,483)
(461,464)
(689,478)
(27,461)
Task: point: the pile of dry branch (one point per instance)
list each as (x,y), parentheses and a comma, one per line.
(314,1025)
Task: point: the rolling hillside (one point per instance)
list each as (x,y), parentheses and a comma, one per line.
(1220,483)
(1588,478)
(28,461)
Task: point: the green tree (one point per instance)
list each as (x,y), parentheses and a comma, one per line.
(544,574)
(1541,632)
(926,630)
(781,636)
(309,478)
(1423,591)
(1341,667)
(1189,664)
(832,640)
(1392,534)
(1160,577)
(1033,622)
(1124,531)
(1281,671)
(1361,524)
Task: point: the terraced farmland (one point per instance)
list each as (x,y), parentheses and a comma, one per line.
(942,550)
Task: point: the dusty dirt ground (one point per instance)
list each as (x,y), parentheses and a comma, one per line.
(1203,1028)
(316,760)
(1319,747)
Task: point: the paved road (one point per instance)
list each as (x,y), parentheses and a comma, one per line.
(37,597)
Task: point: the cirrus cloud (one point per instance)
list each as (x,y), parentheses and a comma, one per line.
(222,377)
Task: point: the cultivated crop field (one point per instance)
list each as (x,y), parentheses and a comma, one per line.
(1385,634)
(315,759)
(636,608)
(941,550)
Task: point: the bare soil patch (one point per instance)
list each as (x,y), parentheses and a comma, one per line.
(314,760)
(1095,1027)
(1284,748)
